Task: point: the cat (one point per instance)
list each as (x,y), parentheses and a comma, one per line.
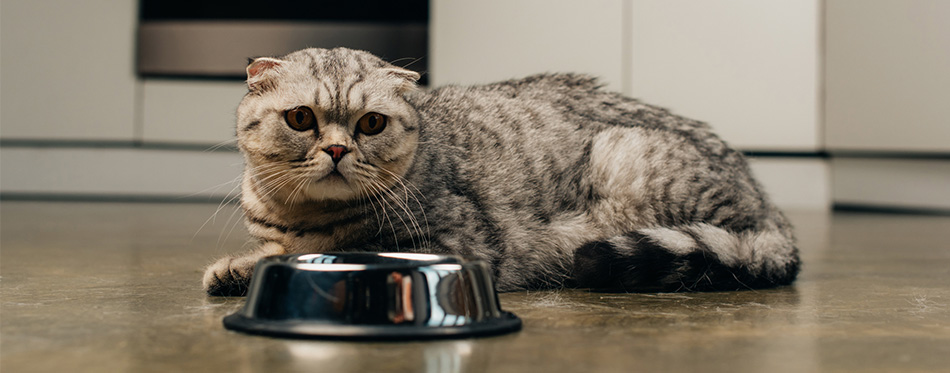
(551,179)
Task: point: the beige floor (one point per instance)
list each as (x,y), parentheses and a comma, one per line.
(115,287)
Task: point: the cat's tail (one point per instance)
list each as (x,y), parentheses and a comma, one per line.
(694,257)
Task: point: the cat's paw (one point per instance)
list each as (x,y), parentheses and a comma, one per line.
(229,276)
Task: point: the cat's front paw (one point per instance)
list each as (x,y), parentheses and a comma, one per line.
(229,276)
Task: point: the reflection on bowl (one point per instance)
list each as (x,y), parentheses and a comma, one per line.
(372,296)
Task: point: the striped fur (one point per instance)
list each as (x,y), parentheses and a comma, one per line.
(551,179)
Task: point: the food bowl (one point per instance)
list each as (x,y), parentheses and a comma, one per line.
(372,296)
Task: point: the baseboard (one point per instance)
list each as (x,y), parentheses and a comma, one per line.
(907,183)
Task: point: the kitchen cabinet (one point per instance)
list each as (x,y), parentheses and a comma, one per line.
(190,111)
(887,76)
(887,83)
(67,70)
(749,68)
(474,42)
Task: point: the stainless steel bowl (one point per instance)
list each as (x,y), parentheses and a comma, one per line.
(372,296)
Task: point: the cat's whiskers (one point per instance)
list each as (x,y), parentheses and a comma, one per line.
(381,191)
(414,60)
(404,206)
(232,198)
(222,144)
(383,205)
(276,179)
(301,179)
(364,193)
(229,198)
(264,174)
(234,224)
(414,194)
(269,177)
(270,185)
(382,197)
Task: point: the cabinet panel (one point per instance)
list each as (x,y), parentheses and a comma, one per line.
(888,75)
(189,111)
(486,41)
(902,183)
(67,70)
(794,183)
(750,68)
(120,172)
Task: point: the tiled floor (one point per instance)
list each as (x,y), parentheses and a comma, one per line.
(115,287)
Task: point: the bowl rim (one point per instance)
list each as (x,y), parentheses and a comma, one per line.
(401,260)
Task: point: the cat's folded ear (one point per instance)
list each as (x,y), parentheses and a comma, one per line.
(261,72)
(408,78)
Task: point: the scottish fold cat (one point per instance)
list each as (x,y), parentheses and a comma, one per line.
(552,180)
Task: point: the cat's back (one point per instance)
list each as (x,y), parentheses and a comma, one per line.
(517,111)
(550,88)
(516,116)
(558,104)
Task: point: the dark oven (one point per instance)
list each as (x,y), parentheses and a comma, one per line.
(215,38)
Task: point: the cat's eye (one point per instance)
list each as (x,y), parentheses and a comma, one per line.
(372,123)
(300,118)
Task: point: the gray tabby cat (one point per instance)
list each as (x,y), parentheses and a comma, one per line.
(552,180)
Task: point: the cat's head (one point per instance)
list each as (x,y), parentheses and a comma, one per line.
(321,124)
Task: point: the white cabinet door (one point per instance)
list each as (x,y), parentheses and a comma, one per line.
(190,112)
(492,40)
(67,70)
(888,75)
(750,68)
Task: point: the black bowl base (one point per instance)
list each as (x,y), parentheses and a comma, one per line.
(316,330)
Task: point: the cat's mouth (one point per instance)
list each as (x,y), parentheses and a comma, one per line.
(334,175)
(332,185)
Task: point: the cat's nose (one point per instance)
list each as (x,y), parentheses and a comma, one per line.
(336,152)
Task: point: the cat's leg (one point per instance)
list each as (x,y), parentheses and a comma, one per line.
(231,275)
(694,257)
